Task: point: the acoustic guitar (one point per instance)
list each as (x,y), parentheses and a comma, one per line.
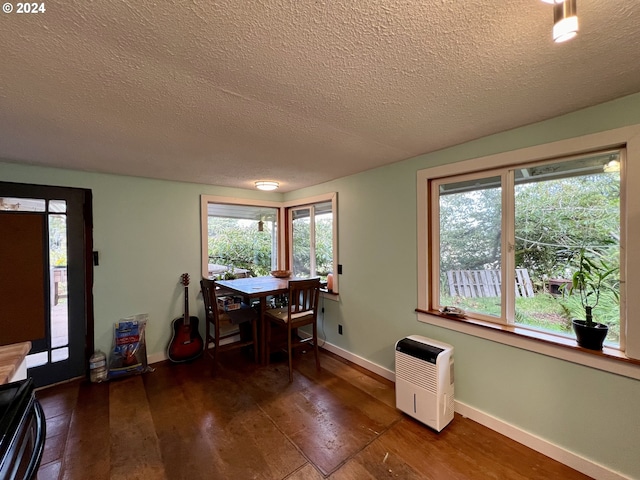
(186,343)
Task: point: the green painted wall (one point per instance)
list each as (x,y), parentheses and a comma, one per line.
(553,399)
(148,234)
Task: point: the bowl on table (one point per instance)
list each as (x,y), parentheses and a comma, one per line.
(281,273)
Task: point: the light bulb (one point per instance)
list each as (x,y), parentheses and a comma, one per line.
(565,29)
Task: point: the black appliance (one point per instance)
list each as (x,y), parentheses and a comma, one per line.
(22,431)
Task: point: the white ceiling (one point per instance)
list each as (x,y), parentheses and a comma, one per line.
(300,91)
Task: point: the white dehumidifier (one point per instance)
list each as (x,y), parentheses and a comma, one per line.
(424,380)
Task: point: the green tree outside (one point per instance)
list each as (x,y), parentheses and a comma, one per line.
(554,219)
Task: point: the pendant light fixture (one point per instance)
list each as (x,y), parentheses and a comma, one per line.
(565,19)
(612,166)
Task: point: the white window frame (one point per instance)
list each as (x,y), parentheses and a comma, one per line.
(506,301)
(205,200)
(307,202)
(625,361)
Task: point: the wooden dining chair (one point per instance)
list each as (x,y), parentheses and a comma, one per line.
(302,309)
(221,325)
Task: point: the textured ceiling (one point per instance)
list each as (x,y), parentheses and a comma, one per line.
(299,91)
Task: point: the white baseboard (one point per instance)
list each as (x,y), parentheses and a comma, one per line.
(157,357)
(573,460)
(560,454)
(362,362)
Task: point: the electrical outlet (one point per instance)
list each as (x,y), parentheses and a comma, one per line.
(340,329)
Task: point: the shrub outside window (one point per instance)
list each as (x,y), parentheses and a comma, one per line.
(312,237)
(242,240)
(312,240)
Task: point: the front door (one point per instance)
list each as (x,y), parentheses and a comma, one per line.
(59,300)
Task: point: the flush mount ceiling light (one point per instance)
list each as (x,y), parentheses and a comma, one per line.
(266,185)
(565,19)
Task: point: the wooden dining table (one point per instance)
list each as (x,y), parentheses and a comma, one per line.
(258,288)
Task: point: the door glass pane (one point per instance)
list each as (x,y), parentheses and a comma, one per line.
(470,245)
(561,208)
(37,359)
(57,206)
(22,204)
(58,279)
(59,354)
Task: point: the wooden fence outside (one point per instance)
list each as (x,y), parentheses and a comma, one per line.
(486,283)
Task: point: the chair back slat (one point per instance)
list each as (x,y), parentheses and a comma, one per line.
(303,295)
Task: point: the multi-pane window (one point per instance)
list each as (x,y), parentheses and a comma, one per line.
(242,238)
(506,241)
(312,240)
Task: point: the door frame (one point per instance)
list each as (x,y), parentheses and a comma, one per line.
(84,196)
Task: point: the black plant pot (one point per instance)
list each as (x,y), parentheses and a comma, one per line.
(590,337)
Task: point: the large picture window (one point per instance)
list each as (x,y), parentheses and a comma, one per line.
(241,240)
(500,237)
(554,211)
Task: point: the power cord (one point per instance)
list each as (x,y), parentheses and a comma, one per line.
(324,335)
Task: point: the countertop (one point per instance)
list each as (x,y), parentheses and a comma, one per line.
(11,356)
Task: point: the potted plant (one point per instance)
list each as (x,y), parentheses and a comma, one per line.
(230,274)
(590,280)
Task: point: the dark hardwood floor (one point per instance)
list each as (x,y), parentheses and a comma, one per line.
(247,422)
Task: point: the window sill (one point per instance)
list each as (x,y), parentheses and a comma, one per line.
(329,295)
(609,359)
